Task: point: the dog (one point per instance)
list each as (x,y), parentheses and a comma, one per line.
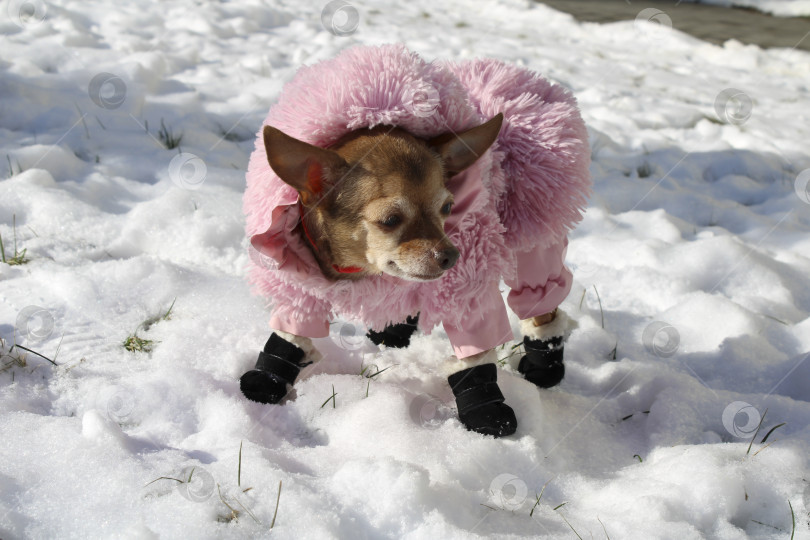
(378,207)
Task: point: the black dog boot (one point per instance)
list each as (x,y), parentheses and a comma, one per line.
(542,363)
(395,335)
(481,406)
(278,365)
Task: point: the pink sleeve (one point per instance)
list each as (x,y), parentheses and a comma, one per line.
(485,328)
(542,280)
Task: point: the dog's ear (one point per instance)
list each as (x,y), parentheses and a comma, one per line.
(460,150)
(307,168)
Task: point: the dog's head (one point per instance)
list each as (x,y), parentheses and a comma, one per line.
(377,199)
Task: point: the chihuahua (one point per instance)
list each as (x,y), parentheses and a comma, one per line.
(375,202)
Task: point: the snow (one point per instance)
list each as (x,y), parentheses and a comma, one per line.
(696,242)
(779,8)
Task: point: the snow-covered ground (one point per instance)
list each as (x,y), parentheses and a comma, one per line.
(697,240)
(779,8)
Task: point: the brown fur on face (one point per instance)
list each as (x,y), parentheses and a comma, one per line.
(376,200)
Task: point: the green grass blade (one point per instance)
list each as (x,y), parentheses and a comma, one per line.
(793,518)
(765,438)
(278,498)
(756,432)
(239,471)
(603,527)
(601,312)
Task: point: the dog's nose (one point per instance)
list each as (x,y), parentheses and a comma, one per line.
(446,257)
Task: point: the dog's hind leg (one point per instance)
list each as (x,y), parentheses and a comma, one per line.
(544,344)
(542,282)
(395,335)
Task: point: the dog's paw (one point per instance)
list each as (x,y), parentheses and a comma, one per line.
(480,403)
(262,386)
(543,362)
(277,367)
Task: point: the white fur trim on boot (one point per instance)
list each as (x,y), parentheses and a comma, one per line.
(454,364)
(562,325)
(311,354)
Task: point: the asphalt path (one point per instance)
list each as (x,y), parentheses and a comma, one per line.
(712,23)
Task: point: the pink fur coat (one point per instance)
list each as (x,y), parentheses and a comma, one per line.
(525,193)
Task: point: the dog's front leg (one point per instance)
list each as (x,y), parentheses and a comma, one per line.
(481,407)
(278,367)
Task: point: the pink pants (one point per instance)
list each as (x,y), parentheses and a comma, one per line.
(541,284)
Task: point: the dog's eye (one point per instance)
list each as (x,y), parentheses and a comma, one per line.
(391,221)
(446,208)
